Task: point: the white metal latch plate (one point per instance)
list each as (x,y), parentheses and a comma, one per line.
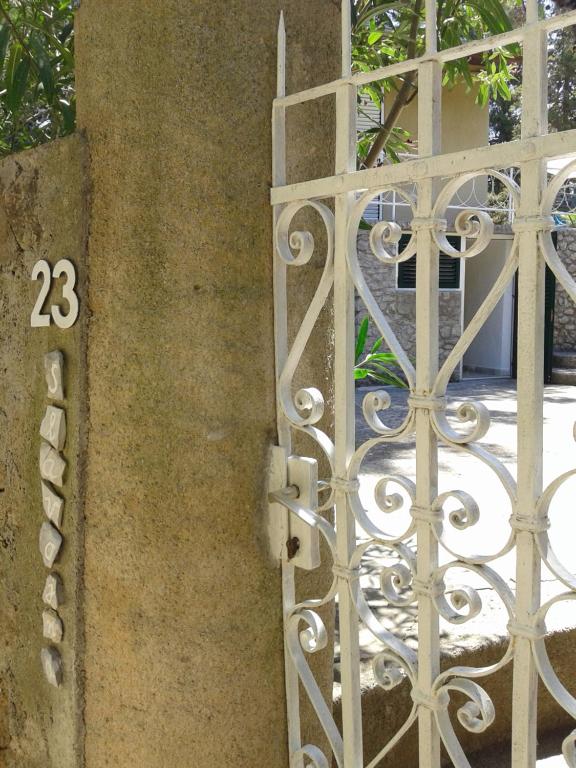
(293,486)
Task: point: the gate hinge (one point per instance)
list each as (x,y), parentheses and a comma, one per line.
(293,492)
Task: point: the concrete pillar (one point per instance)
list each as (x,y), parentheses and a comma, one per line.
(183,660)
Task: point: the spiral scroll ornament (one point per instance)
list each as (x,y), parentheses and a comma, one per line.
(569,750)
(474,414)
(384,239)
(476,716)
(307,407)
(387,502)
(472,223)
(302,242)
(548,225)
(396,580)
(304,409)
(541,524)
(385,234)
(373,405)
(537,635)
(312,639)
(464,516)
(389,672)
(312,757)
(478,713)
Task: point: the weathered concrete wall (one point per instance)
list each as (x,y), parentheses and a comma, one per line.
(43,215)
(184,662)
(384,712)
(565,314)
(399,306)
(464,123)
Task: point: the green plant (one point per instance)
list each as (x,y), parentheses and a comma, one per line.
(389,31)
(375,366)
(37,100)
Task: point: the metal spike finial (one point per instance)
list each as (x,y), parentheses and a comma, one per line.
(281,67)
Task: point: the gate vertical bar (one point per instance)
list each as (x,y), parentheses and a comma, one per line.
(345,406)
(429,142)
(284,434)
(530,394)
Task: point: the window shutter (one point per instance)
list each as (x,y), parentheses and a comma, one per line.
(449,271)
(369,117)
(449,268)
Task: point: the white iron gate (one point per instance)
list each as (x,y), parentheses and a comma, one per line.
(418,578)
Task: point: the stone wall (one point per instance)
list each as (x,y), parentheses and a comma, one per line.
(565,312)
(399,305)
(43,215)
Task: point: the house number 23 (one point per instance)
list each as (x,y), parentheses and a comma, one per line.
(42,271)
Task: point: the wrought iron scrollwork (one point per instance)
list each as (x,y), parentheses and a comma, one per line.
(307,406)
(313,639)
(441,519)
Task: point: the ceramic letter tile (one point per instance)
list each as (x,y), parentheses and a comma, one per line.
(53,505)
(50,544)
(54,368)
(52,627)
(52,465)
(53,427)
(53,594)
(52,666)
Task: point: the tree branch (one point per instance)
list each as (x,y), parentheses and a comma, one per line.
(402,97)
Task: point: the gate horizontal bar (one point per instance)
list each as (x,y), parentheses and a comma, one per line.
(483,158)
(552,24)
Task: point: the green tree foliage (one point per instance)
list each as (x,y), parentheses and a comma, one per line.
(36,71)
(389,31)
(562,74)
(505,114)
(37,100)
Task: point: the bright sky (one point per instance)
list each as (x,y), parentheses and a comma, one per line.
(556,165)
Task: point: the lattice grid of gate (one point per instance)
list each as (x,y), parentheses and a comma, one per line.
(434,180)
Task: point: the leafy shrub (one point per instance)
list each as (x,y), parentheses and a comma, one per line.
(37,101)
(375,366)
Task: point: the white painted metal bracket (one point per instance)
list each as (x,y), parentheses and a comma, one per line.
(278,530)
(304,546)
(293,494)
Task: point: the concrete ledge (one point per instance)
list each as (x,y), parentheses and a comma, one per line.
(565,376)
(384,712)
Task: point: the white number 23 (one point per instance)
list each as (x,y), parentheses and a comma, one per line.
(42,271)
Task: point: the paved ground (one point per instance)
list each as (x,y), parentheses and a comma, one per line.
(549,754)
(461,471)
